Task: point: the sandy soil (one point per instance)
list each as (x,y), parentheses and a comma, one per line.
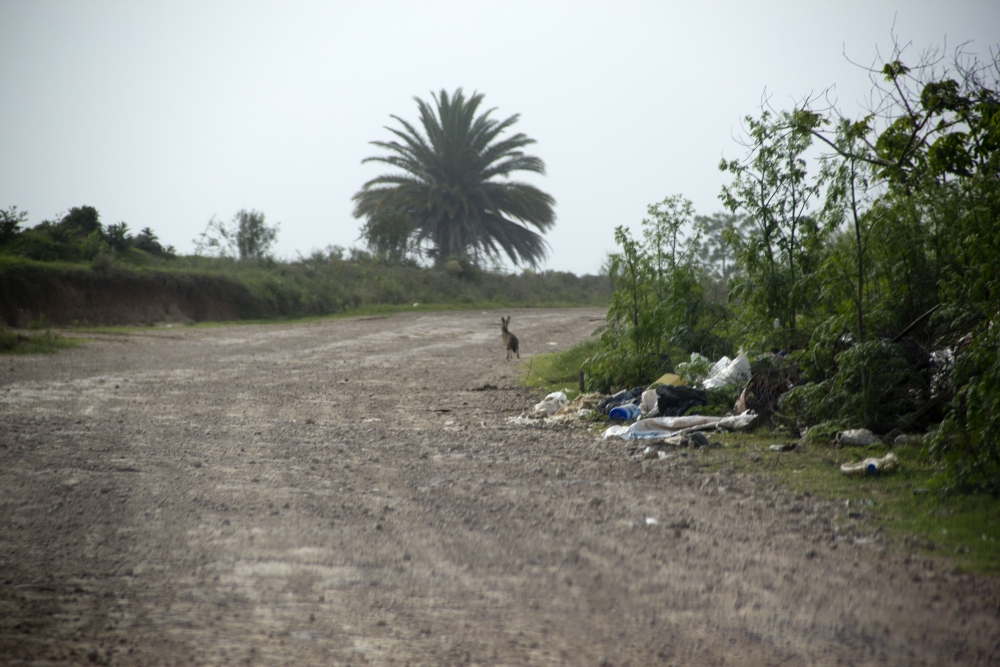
(346,492)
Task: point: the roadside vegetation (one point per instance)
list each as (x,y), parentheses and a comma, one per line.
(860,272)
(864,275)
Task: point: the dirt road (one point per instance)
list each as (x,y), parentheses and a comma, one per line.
(350,492)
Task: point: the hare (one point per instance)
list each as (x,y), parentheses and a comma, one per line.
(509,339)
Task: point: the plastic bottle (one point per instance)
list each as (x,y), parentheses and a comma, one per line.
(871,466)
(626,412)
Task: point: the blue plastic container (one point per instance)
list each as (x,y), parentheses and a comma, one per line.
(624,413)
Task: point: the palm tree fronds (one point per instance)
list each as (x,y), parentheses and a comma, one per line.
(446,181)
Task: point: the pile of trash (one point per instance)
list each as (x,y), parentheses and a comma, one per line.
(657,411)
(658,414)
(667,397)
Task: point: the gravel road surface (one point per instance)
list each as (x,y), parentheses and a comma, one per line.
(350,492)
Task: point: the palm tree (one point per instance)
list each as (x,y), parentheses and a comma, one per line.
(454,184)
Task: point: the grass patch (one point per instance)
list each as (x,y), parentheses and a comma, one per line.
(43,343)
(558,371)
(903,503)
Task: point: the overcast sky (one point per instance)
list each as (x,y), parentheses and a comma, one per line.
(163,114)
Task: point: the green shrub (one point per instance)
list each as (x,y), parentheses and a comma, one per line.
(103,262)
(968,441)
(876,385)
(694,370)
(658,310)
(42,247)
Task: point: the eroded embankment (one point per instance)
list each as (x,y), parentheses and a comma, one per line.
(66,296)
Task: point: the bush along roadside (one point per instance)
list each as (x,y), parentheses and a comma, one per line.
(865,293)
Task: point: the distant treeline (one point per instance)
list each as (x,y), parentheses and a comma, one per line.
(77,236)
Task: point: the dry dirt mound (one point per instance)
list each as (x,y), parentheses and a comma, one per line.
(345,493)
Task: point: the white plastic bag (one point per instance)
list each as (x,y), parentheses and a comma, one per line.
(727,371)
(648,401)
(549,405)
(856,437)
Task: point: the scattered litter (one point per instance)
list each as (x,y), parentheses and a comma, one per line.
(549,405)
(552,342)
(675,401)
(664,427)
(669,379)
(650,521)
(617,431)
(522,420)
(650,453)
(449,423)
(908,439)
(621,398)
(856,437)
(942,363)
(648,401)
(585,402)
(871,466)
(685,439)
(624,413)
(415,305)
(557,408)
(785,447)
(728,371)
(943,360)
(736,422)
(572,415)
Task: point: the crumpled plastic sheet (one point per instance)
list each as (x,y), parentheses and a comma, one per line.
(555,408)
(564,416)
(665,427)
(549,405)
